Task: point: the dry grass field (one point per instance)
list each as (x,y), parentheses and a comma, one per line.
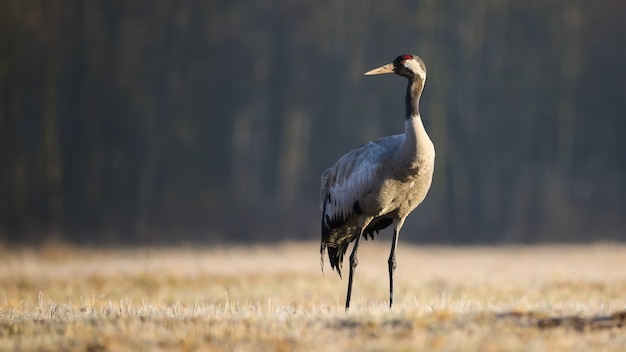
(274,298)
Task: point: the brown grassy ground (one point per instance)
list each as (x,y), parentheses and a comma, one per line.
(275,298)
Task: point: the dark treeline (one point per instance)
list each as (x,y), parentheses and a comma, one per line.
(210,121)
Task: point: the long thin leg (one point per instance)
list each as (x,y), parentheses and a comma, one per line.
(353,263)
(392,259)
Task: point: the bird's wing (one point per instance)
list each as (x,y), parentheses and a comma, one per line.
(345,183)
(352,178)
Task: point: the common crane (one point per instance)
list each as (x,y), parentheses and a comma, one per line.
(379,183)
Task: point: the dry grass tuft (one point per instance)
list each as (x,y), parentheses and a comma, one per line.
(275,298)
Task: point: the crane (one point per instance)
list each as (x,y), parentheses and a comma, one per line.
(379,183)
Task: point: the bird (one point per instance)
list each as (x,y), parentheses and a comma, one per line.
(379,183)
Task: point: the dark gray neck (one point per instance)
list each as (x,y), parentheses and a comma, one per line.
(413,94)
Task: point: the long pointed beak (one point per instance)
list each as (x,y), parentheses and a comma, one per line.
(388,68)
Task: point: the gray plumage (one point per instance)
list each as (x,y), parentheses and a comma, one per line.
(379,183)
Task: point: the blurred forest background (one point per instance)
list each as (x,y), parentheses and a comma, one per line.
(133,122)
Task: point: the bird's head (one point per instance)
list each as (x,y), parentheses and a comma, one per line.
(409,66)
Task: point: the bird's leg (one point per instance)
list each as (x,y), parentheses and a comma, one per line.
(353,263)
(392,263)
